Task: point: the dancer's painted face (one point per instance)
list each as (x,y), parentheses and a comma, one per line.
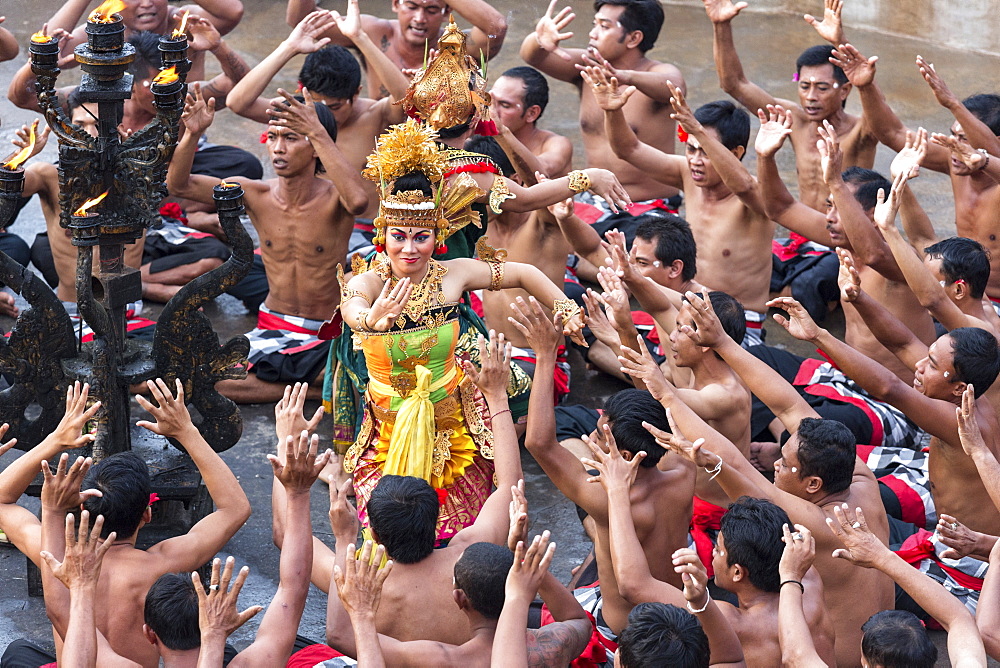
(409,248)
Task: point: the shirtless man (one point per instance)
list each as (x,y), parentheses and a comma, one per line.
(418,23)
(745,563)
(848,224)
(818,470)
(333,77)
(124,480)
(962,357)
(723,200)
(823,91)
(152,15)
(304,223)
(977,193)
(660,500)
(624,30)
(520,96)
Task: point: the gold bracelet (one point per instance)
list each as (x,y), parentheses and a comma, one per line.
(363,320)
(496,275)
(578,181)
(567,307)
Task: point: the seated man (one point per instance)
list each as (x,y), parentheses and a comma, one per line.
(123,480)
(661,634)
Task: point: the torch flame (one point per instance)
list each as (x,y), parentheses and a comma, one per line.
(167,76)
(16,161)
(106,11)
(89,204)
(226,184)
(40,37)
(182,28)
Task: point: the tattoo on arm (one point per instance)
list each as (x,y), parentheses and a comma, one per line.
(552,644)
(237,64)
(384,44)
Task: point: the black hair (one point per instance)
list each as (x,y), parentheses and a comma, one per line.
(171,611)
(332,71)
(643,15)
(963,259)
(662,636)
(975,357)
(626,411)
(74,100)
(868,182)
(123,479)
(413,181)
(731,122)
(489,147)
(897,639)
(816,56)
(731,314)
(752,532)
(536,87)
(147,55)
(985,107)
(827,449)
(454,131)
(674,241)
(481,572)
(403,513)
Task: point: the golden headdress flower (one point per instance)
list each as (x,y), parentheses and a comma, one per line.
(403,148)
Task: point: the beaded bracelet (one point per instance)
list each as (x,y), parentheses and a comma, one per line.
(708,599)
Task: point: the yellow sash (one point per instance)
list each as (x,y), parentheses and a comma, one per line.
(411,446)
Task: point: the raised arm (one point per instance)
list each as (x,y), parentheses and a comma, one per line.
(388,73)
(974,159)
(655,83)
(218,614)
(531,564)
(726,650)
(246,98)
(359,588)
(541,49)
(297,473)
(831,27)
(583,238)
(193,549)
(976,448)
(9,48)
(198,116)
(863,548)
(726,162)
(916,223)
(976,132)
(727,61)
(489,27)
(779,205)
(206,37)
(794,636)
(664,167)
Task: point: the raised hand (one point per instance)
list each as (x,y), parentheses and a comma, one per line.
(297,116)
(518,531)
(942,93)
(359,585)
(616,472)
(389,304)
(608,93)
(198,112)
(561,210)
(961,150)
(682,111)
(968,425)
(799,553)
(887,206)
(709,330)
(530,566)
(721,11)
(306,37)
(960,539)
(907,161)
(541,332)
(204,35)
(675,441)
(848,279)
(22,138)
(860,71)
(694,576)
(615,298)
(289,417)
(597,320)
(343,515)
(830,27)
(863,548)
(494,374)
(548,30)
(301,466)
(607,185)
(641,366)
(81,564)
(68,434)
(61,490)
(623,260)
(593,58)
(217,608)
(170,411)
(797,322)
(4,447)
(831,157)
(775,126)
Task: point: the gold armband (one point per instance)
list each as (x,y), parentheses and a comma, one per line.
(499,193)
(567,307)
(363,320)
(578,181)
(495,258)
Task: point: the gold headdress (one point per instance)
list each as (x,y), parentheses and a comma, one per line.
(408,147)
(450,89)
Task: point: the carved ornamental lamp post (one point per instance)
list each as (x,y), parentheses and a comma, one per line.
(110,188)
